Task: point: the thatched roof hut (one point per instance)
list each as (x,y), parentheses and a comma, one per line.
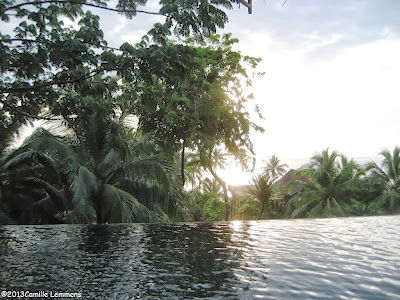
(288,178)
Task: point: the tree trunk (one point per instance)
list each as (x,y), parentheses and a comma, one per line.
(226,197)
(183,164)
(262,210)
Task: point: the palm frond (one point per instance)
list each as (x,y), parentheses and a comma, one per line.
(83,186)
(55,194)
(153,169)
(27,157)
(121,206)
(110,163)
(312,212)
(306,209)
(43,141)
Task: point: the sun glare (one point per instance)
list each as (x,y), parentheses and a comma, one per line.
(233,175)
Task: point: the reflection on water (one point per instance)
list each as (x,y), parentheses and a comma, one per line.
(314,258)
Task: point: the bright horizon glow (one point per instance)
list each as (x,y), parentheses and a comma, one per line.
(331,79)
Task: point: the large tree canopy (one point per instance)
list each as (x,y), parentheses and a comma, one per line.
(192,97)
(188,94)
(41,55)
(192,94)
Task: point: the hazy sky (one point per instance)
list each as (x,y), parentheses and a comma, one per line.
(332,69)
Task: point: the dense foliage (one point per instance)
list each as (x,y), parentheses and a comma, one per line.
(333,186)
(330,185)
(122,114)
(40,56)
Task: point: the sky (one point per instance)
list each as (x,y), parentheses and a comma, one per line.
(331,74)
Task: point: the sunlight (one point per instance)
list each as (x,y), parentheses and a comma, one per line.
(235,225)
(233,175)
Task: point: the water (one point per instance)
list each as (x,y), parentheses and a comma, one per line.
(348,258)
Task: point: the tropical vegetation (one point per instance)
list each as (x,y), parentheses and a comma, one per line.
(127,118)
(140,133)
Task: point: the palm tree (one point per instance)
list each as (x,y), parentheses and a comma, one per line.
(332,180)
(274,169)
(121,167)
(106,170)
(211,186)
(211,160)
(193,169)
(386,179)
(263,189)
(244,159)
(29,185)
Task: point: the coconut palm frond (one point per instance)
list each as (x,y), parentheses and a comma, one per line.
(264,189)
(58,129)
(55,194)
(387,180)
(195,162)
(110,163)
(308,208)
(151,169)
(350,187)
(28,156)
(393,201)
(126,208)
(311,209)
(83,186)
(43,141)
(305,173)
(219,158)
(296,186)
(55,148)
(194,170)
(211,186)
(336,209)
(291,204)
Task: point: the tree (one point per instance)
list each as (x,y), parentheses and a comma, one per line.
(106,168)
(30,187)
(193,172)
(248,208)
(213,209)
(332,181)
(118,167)
(42,56)
(386,179)
(274,169)
(211,186)
(189,89)
(192,98)
(263,189)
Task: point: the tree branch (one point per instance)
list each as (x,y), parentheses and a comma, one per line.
(25,40)
(124,10)
(47,43)
(81,3)
(15,109)
(39,86)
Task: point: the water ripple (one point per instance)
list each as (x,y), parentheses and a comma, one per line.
(346,258)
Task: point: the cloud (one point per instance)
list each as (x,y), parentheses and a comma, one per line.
(298,23)
(118,29)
